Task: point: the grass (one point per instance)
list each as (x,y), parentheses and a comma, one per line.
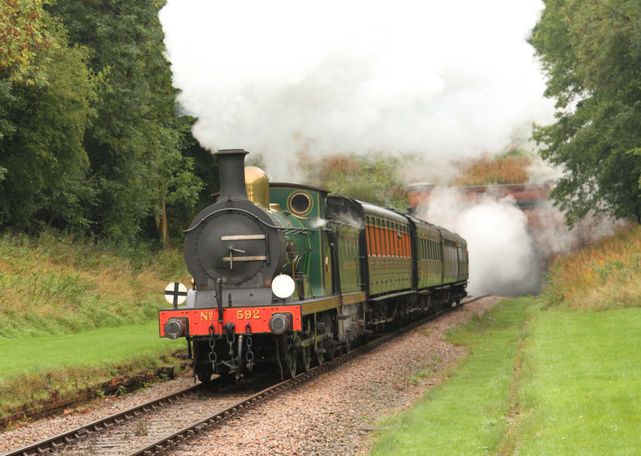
(580,389)
(538,381)
(98,347)
(468,414)
(75,313)
(59,285)
(604,275)
(39,369)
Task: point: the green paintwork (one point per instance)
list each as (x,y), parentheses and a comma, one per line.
(450,256)
(430,266)
(349,258)
(316,264)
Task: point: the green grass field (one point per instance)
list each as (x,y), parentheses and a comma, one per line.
(560,382)
(37,370)
(581,386)
(97,347)
(57,284)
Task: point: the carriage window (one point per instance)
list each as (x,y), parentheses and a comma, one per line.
(388,238)
(392,233)
(379,238)
(368,234)
(375,238)
(395,238)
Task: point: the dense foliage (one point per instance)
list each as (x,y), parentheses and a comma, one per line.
(591,52)
(374,178)
(89,136)
(510,167)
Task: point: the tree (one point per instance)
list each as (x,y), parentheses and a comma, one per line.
(509,167)
(135,143)
(46,90)
(591,52)
(373,178)
(23,32)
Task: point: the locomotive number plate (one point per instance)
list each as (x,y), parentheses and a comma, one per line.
(248,314)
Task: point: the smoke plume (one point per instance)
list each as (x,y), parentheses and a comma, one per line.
(439,79)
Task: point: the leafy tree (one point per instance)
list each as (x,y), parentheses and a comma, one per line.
(46,91)
(591,52)
(373,178)
(23,31)
(135,142)
(22,34)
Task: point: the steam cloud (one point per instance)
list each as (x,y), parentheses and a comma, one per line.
(502,258)
(507,255)
(441,80)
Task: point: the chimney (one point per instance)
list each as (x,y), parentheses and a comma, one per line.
(231,168)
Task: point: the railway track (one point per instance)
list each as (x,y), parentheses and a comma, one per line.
(155,422)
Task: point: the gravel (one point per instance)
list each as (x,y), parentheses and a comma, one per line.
(333,414)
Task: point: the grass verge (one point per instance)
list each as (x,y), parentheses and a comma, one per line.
(604,275)
(57,284)
(579,392)
(75,313)
(48,369)
(468,414)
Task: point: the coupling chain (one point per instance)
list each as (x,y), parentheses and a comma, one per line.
(213,357)
(249,355)
(230,342)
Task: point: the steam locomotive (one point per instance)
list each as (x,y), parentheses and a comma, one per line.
(289,275)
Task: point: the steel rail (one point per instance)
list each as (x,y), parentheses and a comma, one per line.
(70,437)
(172,441)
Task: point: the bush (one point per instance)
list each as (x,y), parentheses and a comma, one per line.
(603,275)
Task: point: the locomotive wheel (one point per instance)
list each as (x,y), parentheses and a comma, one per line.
(204,373)
(202,365)
(306,353)
(329,351)
(320,358)
(288,354)
(306,358)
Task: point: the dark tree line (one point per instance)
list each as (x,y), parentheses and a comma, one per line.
(591,52)
(89,136)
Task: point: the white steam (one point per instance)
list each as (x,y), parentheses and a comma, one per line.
(440,79)
(509,249)
(502,257)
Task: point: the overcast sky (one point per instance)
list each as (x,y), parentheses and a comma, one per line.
(441,79)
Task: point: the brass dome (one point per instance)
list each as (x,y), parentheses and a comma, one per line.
(257,184)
